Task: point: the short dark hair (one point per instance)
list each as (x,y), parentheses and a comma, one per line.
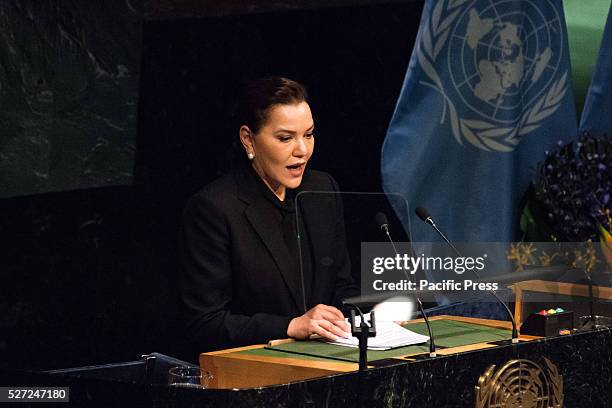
(259,96)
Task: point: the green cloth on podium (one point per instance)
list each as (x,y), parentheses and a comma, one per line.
(447,333)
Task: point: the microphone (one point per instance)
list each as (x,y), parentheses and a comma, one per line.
(383,223)
(425,216)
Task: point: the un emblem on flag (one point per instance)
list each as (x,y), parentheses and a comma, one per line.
(497,65)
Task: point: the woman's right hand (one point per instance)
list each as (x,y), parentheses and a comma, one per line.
(326,321)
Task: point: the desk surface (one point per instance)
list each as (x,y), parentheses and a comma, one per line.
(288,361)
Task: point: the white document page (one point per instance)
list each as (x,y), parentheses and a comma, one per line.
(388,335)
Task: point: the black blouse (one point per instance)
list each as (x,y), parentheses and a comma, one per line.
(299,250)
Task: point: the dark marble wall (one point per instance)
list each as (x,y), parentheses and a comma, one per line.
(68,91)
(88,276)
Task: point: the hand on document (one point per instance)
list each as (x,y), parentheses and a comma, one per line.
(388,335)
(322,320)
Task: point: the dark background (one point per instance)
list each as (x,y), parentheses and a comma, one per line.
(89,276)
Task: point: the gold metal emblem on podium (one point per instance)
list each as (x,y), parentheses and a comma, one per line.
(520,384)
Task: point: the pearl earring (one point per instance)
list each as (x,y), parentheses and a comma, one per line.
(251,156)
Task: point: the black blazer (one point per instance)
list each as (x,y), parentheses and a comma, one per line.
(239,286)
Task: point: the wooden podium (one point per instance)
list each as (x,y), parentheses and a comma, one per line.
(256,366)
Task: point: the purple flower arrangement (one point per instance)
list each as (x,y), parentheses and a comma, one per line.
(572,190)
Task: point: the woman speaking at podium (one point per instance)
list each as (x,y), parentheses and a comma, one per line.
(245,281)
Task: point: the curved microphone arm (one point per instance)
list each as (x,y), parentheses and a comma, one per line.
(424,215)
(384,225)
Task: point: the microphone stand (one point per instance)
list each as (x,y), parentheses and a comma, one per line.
(432,345)
(362,332)
(515,339)
(589,324)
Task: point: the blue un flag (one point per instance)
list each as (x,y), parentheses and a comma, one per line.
(486,93)
(597,114)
